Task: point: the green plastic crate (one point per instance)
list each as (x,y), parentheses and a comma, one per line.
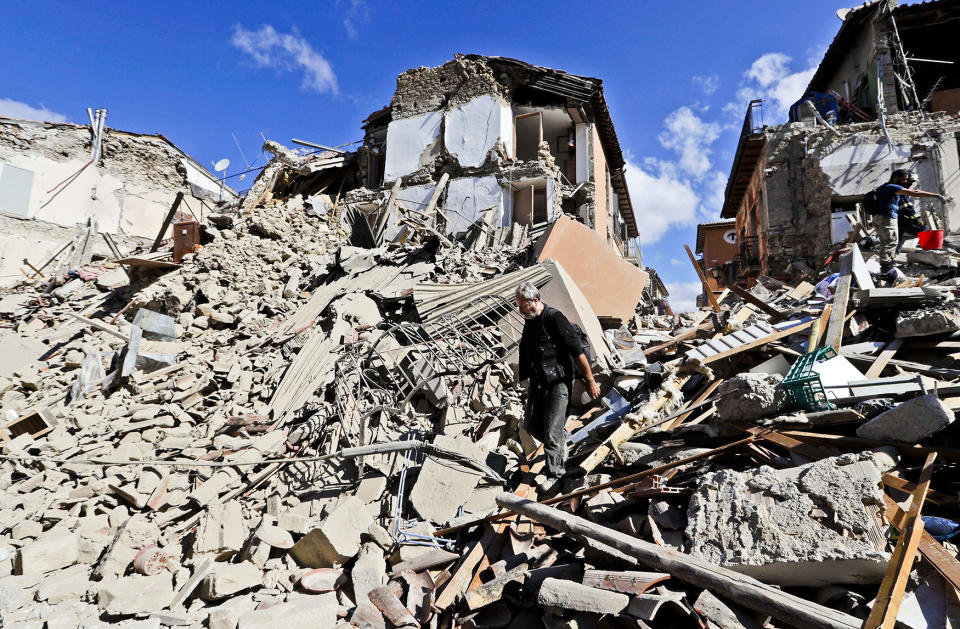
(802,384)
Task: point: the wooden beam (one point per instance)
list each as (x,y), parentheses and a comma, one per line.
(166,221)
(884,358)
(905,449)
(703,280)
(887,604)
(840,299)
(435,196)
(935,497)
(739,588)
(753,300)
(932,550)
(689,334)
(695,403)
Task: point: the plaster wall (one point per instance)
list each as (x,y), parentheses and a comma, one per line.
(471,130)
(411,143)
(467,197)
(860,60)
(860,164)
(581,141)
(599,175)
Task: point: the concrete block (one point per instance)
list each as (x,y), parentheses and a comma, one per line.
(228,578)
(51,552)
(571,595)
(927,321)
(441,487)
(135,595)
(318,611)
(337,539)
(227,615)
(803,526)
(909,422)
(64,585)
(369,571)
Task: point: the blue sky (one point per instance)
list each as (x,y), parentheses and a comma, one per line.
(677,77)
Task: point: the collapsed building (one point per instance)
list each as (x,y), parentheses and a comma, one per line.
(313,415)
(55,176)
(883,97)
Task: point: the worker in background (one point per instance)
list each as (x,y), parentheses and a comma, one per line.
(550,350)
(909,220)
(885,213)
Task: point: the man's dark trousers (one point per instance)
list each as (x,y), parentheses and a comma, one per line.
(545,419)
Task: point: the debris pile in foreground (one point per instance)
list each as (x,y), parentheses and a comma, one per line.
(286,427)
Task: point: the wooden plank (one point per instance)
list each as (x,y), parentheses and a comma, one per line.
(801,291)
(703,280)
(932,550)
(435,196)
(840,300)
(887,604)
(741,589)
(388,210)
(695,403)
(166,221)
(752,299)
(760,342)
(858,443)
(626,581)
(818,328)
(935,497)
(884,358)
(689,334)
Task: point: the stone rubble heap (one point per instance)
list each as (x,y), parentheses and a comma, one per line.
(276,433)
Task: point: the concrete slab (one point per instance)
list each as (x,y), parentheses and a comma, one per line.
(612,285)
(442,485)
(810,525)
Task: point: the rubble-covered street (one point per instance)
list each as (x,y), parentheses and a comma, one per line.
(302,405)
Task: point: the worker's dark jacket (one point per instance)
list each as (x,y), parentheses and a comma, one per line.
(548,347)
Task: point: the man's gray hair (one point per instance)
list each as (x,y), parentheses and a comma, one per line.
(528,291)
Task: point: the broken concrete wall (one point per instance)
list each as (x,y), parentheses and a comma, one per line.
(808,168)
(52,185)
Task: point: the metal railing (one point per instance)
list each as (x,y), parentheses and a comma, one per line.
(753,120)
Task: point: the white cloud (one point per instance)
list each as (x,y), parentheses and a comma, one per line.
(690,137)
(709,84)
(683,295)
(287,52)
(659,201)
(357,14)
(770,77)
(676,261)
(15,109)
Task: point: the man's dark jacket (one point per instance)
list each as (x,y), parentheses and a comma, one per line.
(548,346)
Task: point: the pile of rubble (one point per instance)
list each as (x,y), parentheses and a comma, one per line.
(302,421)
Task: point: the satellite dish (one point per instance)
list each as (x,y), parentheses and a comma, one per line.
(222,164)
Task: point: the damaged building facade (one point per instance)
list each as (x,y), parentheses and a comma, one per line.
(519,144)
(795,190)
(57,176)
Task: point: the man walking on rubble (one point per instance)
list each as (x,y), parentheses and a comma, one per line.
(550,348)
(884,214)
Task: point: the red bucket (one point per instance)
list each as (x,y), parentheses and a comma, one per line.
(932,239)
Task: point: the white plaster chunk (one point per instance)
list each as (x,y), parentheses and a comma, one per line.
(411,142)
(467,197)
(472,129)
